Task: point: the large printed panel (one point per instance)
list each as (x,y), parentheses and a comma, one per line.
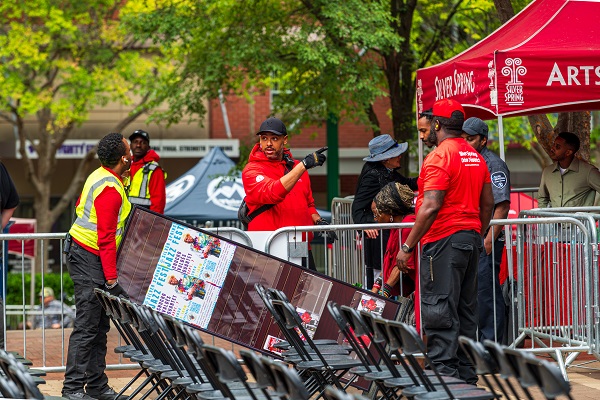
(208,282)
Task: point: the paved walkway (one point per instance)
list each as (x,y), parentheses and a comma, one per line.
(585,379)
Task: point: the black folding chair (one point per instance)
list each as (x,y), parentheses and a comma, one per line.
(228,370)
(505,368)
(335,394)
(16,373)
(525,376)
(370,365)
(265,380)
(289,382)
(553,383)
(414,347)
(332,368)
(484,364)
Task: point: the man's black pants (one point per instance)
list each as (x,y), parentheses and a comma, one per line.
(492,308)
(448,273)
(86,360)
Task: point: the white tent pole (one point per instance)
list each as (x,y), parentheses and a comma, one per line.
(501,137)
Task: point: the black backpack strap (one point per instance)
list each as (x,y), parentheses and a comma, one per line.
(259,211)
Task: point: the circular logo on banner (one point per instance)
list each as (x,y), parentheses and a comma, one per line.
(499,179)
(179,187)
(226,193)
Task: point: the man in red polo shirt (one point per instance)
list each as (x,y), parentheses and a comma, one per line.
(454,207)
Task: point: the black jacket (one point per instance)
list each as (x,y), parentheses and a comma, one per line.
(373,177)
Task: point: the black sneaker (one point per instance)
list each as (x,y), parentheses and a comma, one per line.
(77,396)
(109,394)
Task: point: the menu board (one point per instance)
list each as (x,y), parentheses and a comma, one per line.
(208,281)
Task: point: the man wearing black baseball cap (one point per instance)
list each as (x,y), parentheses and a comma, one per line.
(147,182)
(454,207)
(278,191)
(489,293)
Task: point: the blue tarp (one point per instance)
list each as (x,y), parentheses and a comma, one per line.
(207,193)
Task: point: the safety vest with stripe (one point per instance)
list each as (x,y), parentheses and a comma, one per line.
(85,228)
(139,189)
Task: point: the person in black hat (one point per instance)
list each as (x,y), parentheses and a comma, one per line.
(489,293)
(147,178)
(272,177)
(379,170)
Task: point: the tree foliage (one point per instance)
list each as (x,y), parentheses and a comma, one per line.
(61,59)
(323,56)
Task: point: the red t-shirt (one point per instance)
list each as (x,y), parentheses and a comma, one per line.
(458,169)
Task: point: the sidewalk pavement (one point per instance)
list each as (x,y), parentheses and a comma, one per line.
(584,378)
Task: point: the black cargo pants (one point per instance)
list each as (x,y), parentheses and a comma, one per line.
(448,273)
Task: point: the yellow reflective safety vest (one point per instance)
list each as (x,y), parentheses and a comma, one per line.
(139,188)
(85,228)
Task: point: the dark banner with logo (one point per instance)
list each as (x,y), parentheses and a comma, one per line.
(208,282)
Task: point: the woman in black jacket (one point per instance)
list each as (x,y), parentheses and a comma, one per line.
(379,170)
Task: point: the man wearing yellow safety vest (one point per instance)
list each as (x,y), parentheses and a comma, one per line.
(147,187)
(101,213)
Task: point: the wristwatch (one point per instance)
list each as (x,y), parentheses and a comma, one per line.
(406,248)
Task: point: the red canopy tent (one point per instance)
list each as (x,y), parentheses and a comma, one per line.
(545,59)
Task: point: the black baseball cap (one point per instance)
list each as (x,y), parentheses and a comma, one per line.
(140,133)
(273,125)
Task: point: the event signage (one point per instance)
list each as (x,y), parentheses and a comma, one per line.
(166,148)
(539,61)
(189,275)
(208,281)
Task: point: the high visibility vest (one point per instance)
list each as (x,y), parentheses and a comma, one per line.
(139,188)
(85,228)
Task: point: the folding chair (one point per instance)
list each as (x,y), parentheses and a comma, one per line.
(413,347)
(370,365)
(335,394)
(16,373)
(213,388)
(484,364)
(420,384)
(333,368)
(262,375)
(228,370)
(505,368)
(133,349)
(298,349)
(9,389)
(553,383)
(525,376)
(289,382)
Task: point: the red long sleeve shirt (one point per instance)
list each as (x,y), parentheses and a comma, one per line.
(156,186)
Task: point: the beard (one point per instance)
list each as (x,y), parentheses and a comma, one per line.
(432,138)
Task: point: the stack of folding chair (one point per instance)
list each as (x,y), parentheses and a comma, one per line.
(320,362)
(16,380)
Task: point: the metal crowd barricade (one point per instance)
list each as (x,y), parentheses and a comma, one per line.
(552,263)
(347,268)
(35,343)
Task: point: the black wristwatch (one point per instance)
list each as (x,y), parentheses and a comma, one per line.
(406,248)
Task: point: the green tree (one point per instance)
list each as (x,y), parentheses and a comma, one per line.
(324,56)
(61,59)
(543,129)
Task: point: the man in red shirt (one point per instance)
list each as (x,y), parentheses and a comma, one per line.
(454,207)
(147,178)
(101,211)
(272,176)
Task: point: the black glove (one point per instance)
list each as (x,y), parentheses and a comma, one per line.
(330,236)
(118,291)
(315,159)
